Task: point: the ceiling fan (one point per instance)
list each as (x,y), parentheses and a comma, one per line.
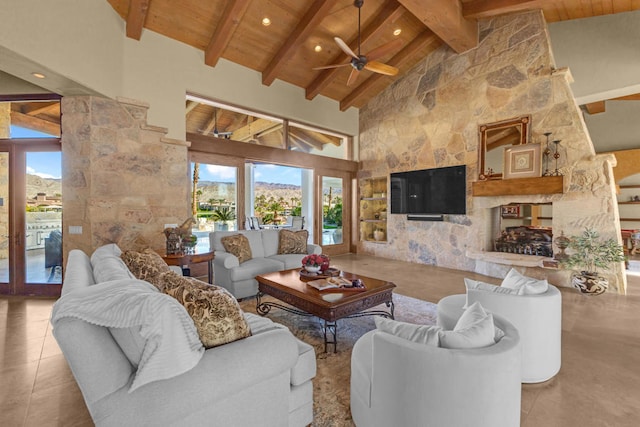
(225,135)
(367,62)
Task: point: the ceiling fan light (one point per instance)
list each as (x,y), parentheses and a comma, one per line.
(266,21)
(397,31)
(318,48)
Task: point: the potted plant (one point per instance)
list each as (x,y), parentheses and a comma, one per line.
(591,254)
(223,215)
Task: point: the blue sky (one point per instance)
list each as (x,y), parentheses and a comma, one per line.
(263,173)
(45,165)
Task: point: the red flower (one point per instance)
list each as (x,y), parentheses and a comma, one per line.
(316,260)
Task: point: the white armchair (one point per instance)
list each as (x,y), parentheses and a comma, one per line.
(397,382)
(538,318)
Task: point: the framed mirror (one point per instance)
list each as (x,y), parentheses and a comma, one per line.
(494,138)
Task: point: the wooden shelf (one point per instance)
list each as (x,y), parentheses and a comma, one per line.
(373,220)
(374,198)
(519,186)
(629,203)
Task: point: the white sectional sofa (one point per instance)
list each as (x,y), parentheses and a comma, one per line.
(264,379)
(239,279)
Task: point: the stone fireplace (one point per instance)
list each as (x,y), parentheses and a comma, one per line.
(430,118)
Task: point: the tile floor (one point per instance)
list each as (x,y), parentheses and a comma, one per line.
(598,384)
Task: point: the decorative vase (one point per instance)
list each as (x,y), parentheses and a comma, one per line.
(378,235)
(312,268)
(589,283)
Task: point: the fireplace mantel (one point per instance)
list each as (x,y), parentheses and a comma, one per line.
(519,186)
(512,259)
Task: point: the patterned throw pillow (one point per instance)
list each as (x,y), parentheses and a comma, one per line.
(237,245)
(215,312)
(293,242)
(146,265)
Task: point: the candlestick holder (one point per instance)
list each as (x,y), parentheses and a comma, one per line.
(547,154)
(556,155)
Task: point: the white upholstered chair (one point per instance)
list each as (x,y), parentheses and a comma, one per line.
(397,382)
(538,318)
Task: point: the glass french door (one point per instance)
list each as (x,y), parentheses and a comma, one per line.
(30,217)
(214,198)
(334,208)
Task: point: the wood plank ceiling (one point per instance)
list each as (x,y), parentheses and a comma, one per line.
(285,49)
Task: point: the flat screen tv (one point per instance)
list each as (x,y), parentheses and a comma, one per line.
(430,191)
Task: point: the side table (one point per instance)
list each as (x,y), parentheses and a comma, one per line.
(193,258)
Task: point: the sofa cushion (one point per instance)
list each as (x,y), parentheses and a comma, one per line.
(146,265)
(422,334)
(107,264)
(288,260)
(305,367)
(524,285)
(215,312)
(255,267)
(474,329)
(293,242)
(270,241)
(237,245)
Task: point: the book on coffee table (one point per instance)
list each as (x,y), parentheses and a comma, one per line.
(337,284)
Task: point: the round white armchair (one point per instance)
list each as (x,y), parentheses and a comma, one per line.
(538,318)
(398,382)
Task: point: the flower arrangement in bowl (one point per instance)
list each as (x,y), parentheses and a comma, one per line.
(315,263)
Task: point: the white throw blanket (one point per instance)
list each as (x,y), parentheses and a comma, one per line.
(172,345)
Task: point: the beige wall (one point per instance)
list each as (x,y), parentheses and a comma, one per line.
(430,118)
(81,46)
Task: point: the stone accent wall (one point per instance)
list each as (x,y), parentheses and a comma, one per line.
(122,180)
(430,118)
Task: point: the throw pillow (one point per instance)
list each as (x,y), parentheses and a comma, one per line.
(215,312)
(237,245)
(474,329)
(524,285)
(421,334)
(146,265)
(293,242)
(482,286)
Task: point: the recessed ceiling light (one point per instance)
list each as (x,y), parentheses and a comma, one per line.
(38,75)
(266,22)
(397,31)
(318,48)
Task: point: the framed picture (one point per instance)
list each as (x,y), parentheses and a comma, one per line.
(510,211)
(522,161)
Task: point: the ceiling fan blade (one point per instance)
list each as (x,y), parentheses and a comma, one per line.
(353,76)
(331,66)
(345,48)
(380,68)
(384,50)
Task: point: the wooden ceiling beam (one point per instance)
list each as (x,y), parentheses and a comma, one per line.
(35,108)
(211,123)
(304,144)
(479,9)
(390,12)
(138,10)
(321,138)
(301,136)
(311,19)
(421,41)
(35,123)
(255,127)
(595,107)
(190,106)
(444,17)
(228,23)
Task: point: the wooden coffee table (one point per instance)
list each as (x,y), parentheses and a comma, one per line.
(302,299)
